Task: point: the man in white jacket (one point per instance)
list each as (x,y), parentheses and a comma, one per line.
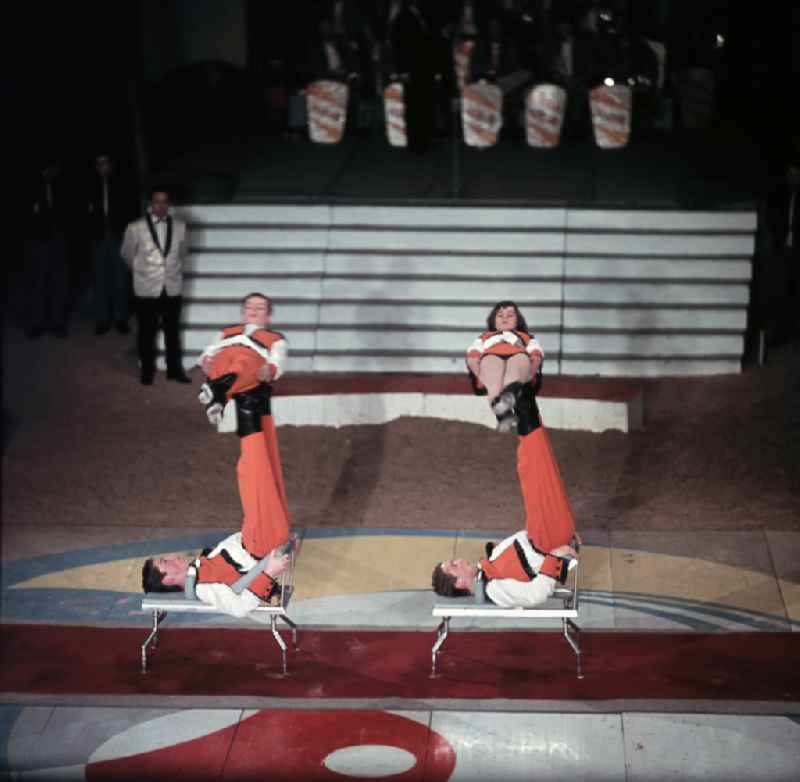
(155,247)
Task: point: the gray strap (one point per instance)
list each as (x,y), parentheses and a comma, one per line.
(242,583)
(189,584)
(480,588)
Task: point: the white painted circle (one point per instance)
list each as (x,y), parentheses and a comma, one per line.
(369,761)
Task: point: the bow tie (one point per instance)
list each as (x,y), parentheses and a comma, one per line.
(157,220)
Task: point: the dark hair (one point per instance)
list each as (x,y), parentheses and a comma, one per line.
(153,579)
(256,294)
(491,320)
(151,191)
(444,584)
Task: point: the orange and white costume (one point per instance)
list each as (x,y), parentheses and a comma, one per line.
(518,571)
(517,575)
(222,567)
(242,351)
(549,522)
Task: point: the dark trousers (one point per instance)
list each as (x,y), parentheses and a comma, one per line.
(48,283)
(111,282)
(150,313)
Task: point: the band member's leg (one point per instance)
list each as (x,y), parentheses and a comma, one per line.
(171,309)
(102,308)
(265,524)
(147,319)
(548,515)
(121,283)
(59,283)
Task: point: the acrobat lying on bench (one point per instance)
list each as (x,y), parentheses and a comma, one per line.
(525,570)
(510,597)
(228,580)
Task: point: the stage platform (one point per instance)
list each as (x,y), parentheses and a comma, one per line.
(398,289)
(691,677)
(586,404)
(720,168)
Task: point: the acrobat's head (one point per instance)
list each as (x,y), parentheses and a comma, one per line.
(166,573)
(505,316)
(257,309)
(454,578)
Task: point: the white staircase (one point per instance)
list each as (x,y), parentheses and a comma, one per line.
(405,289)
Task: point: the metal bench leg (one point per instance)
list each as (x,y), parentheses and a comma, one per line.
(273,622)
(444,629)
(574,642)
(293,626)
(152,638)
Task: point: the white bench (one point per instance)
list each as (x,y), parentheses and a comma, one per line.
(163,603)
(464,607)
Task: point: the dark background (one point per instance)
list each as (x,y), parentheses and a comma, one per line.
(134,76)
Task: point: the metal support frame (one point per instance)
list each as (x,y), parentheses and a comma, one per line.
(273,625)
(158,616)
(442,633)
(574,641)
(572,638)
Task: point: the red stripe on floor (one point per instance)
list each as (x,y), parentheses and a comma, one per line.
(383,664)
(609,390)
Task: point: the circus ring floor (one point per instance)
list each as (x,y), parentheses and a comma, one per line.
(691,668)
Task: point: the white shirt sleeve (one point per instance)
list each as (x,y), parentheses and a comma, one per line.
(475,347)
(129,243)
(278,354)
(222,597)
(534,346)
(509,593)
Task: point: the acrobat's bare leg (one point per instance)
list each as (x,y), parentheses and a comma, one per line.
(492,371)
(518,370)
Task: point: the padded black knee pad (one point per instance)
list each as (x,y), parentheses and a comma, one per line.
(220,387)
(250,406)
(528,419)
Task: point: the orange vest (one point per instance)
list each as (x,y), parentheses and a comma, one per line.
(512,563)
(222,570)
(504,348)
(263,337)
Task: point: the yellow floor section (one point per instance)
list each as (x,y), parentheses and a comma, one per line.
(364,564)
(694,579)
(328,567)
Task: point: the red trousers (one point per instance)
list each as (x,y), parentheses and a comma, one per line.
(548,516)
(243,362)
(266,517)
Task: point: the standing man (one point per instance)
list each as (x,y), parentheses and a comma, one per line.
(47,272)
(780,295)
(155,247)
(109,211)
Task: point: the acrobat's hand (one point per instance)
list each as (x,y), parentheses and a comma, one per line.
(207,363)
(277,565)
(264,373)
(564,552)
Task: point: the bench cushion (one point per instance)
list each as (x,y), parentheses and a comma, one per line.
(176,602)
